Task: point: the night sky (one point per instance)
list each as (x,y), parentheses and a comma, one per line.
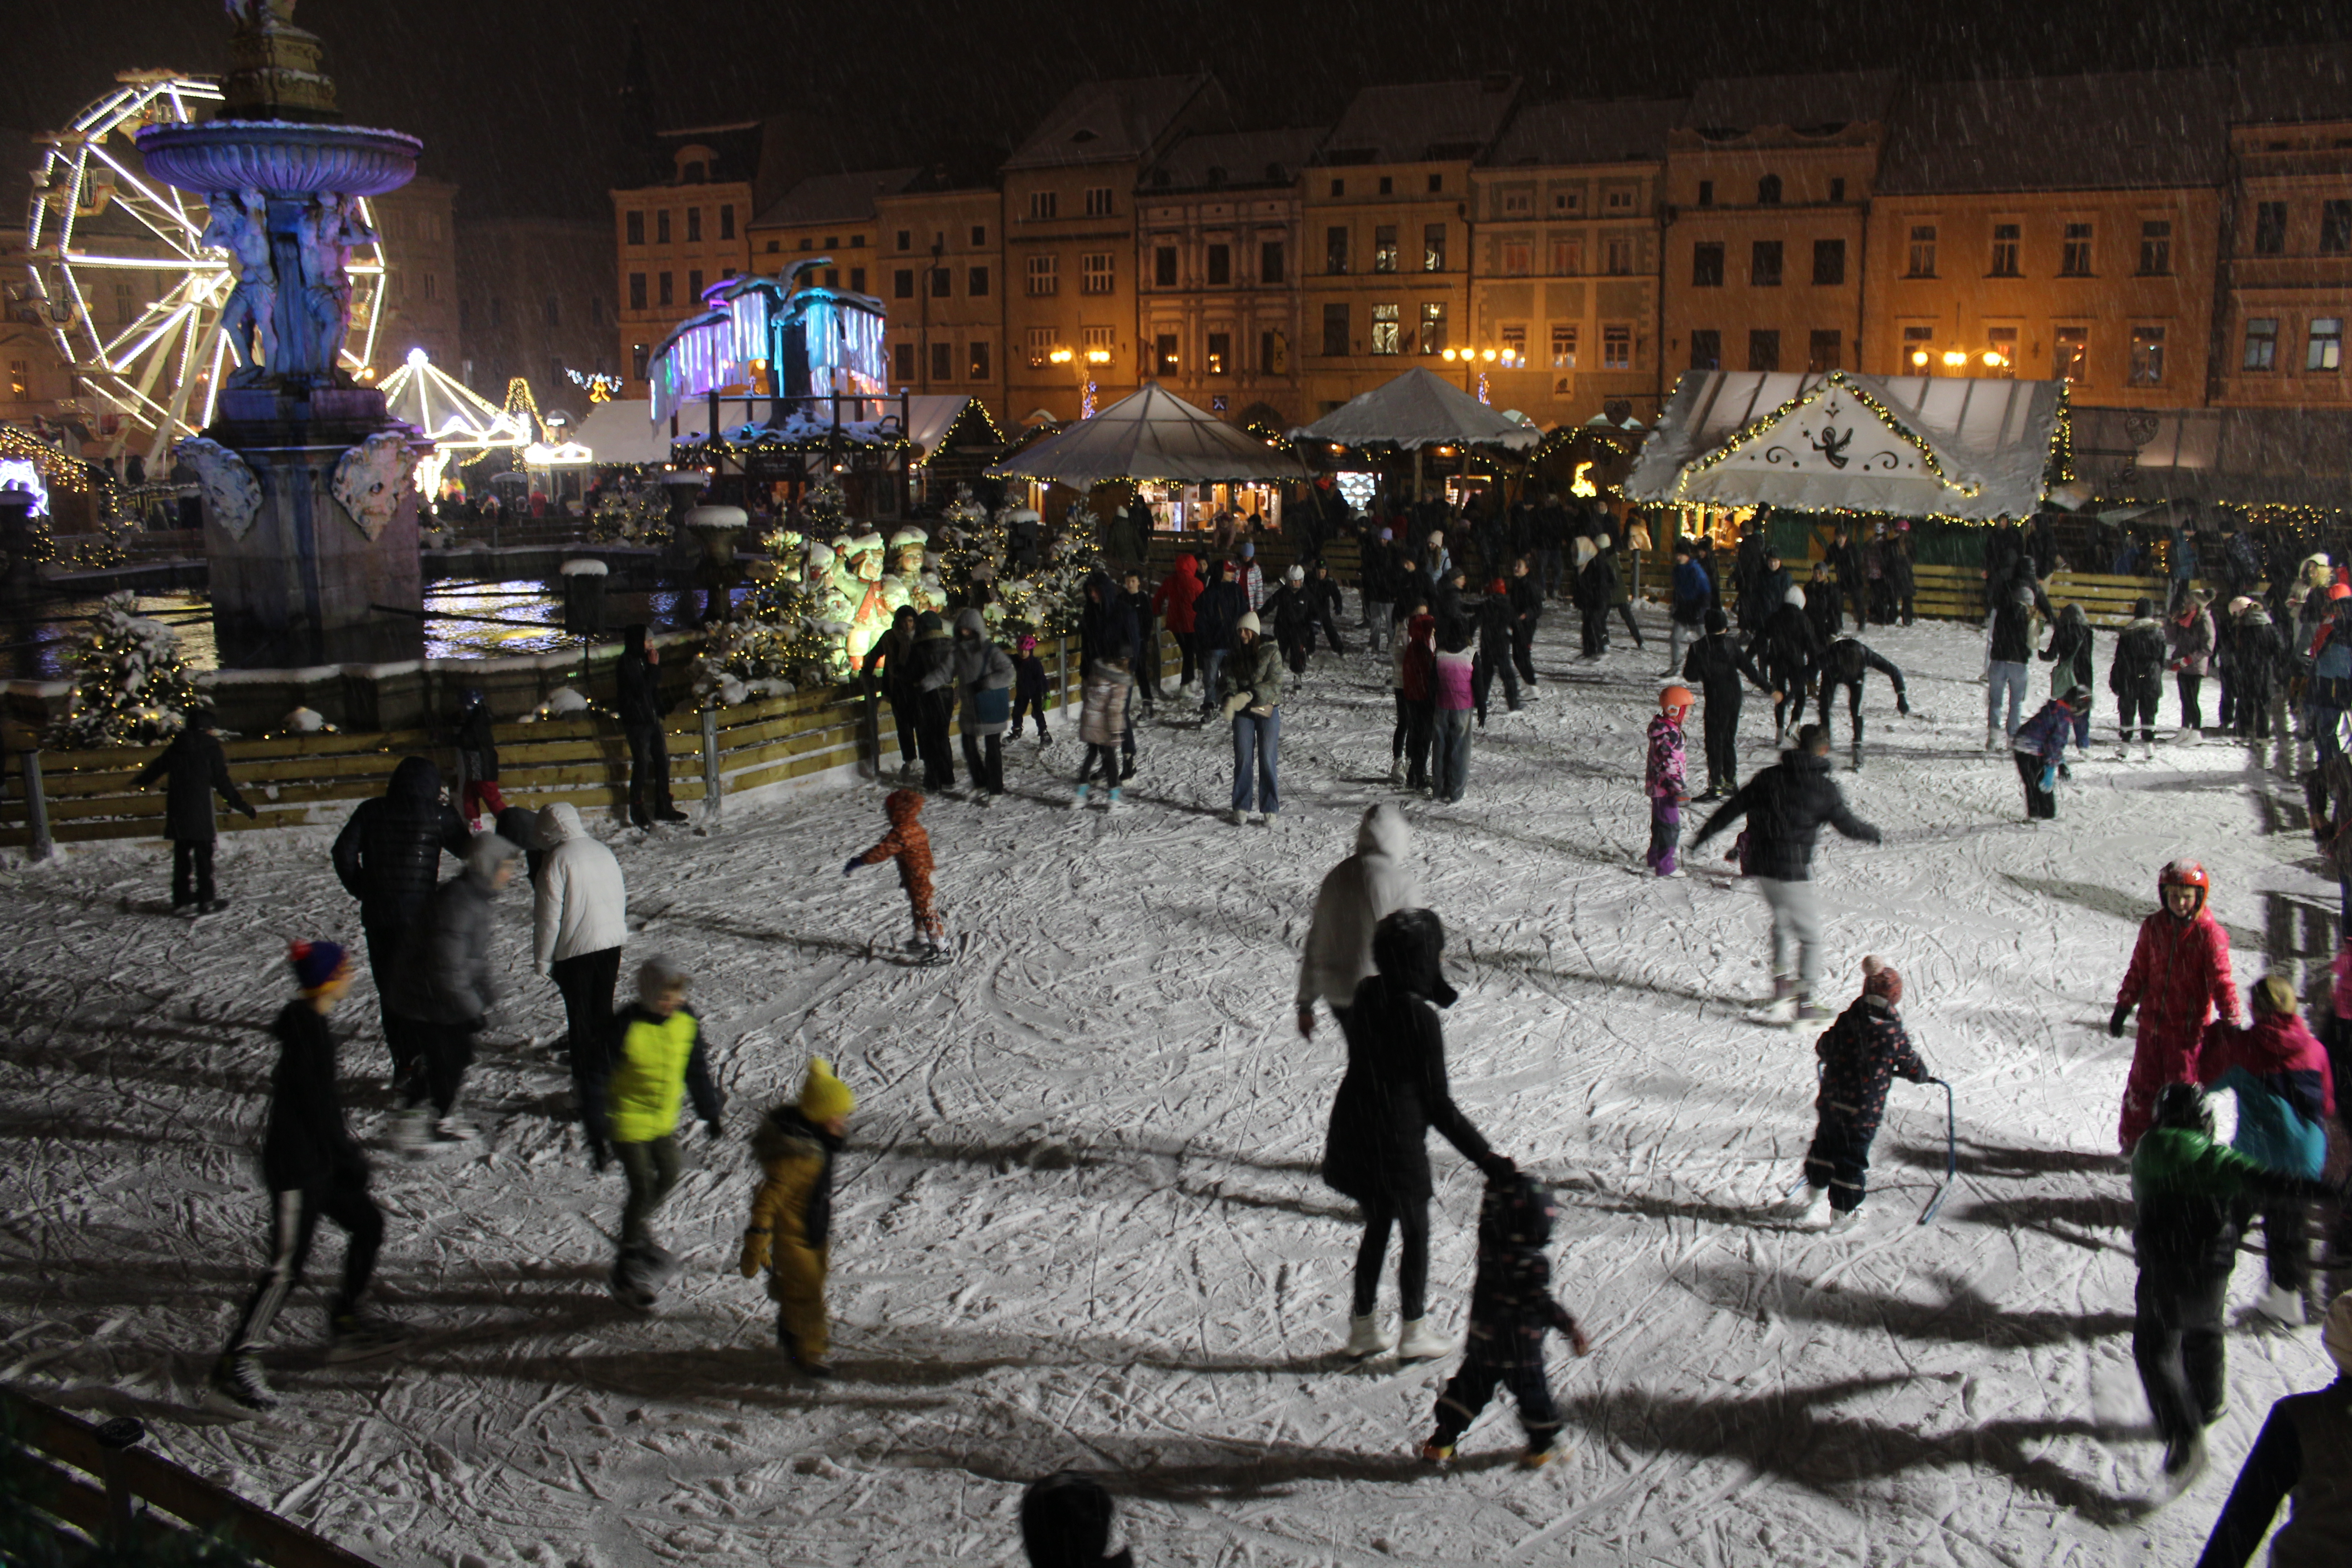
(516,98)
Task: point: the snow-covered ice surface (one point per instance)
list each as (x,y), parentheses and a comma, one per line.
(1080,1224)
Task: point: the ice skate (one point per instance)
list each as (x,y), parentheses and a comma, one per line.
(1992,740)
(1850,1220)
(1807,1211)
(1112,802)
(1436,1453)
(2281,1307)
(408,1132)
(352,1337)
(1422,1342)
(1396,774)
(1366,1338)
(1537,1458)
(1780,1008)
(2184,1461)
(236,1384)
(640,1272)
(449,1135)
(1078,797)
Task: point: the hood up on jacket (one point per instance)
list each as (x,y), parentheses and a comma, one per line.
(902,806)
(970,620)
(485,856)
(1407,948)
(1188,566)
(632,640)
(415,782)
(2073,618)
(1385,831)
(559,824)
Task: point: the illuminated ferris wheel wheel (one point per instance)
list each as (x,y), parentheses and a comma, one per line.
(125,281)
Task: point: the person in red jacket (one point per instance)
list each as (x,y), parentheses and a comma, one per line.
(1173,602)
(2179,978)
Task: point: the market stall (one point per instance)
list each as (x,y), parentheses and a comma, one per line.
(1183,461)
(462,425)
(1423,413)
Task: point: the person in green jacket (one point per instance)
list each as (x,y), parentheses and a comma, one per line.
(633,1108)
(1251,684)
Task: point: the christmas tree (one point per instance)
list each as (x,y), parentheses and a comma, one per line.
(131,688)
(967,536)
(1053,597)
(775,644)
(824,511)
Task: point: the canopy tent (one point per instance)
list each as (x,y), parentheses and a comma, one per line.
(1152,435)
(621,433)
(1955,446)
(2244,457)
(1418,408)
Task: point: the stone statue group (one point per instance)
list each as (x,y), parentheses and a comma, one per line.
(326,229)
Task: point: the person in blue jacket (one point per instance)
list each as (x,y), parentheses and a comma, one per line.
(2040,748)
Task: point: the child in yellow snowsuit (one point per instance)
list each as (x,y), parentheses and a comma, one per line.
(792,1213)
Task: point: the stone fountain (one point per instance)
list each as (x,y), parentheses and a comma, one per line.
(309,506)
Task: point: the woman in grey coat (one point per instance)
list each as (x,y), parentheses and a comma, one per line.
(983,679)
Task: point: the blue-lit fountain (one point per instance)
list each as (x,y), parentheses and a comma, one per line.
(310,510)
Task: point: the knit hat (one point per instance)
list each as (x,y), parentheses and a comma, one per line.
(2335,1335)
(1716,621)
(1249,552)
(1027,645)
(824,1096)
(2272,994)
(1297,574)
(315,963)
(1384,536)
(1879,979)
(1248,622)
(658,974)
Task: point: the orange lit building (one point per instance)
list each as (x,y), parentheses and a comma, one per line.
(2286,267)
(940,268)
(679,235)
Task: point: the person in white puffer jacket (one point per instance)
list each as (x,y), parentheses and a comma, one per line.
(1355,896)
(579,925)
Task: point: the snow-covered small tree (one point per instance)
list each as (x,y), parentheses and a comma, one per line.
(130,686)
(825,510)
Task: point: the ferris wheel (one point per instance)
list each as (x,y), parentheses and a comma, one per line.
(123,277)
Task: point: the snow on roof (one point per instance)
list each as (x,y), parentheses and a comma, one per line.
(1235,158)
(1417,122)
(1150,435)
(1822,98)
(1418,408)
(2247,457)
(1625,131)
(835,198)
(2120,130)
(1109,121)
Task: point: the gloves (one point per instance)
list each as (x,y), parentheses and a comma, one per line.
(1235,703)
(2115,1019)
(1903,705)
(1497,1167)
(252,812)
(755,1252)
(854,862)
(1307,1020)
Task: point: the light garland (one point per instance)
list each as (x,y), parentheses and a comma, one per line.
(1756,429)
(130,686)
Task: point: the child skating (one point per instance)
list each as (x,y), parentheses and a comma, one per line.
(660,1060)
(791,1232)
(2286,1092)
(1028,690)
(1102,718)
(2179,977)
(2040,748)
(1860,1054)
(192,768)
(1511,1309)
(1666,782)
(910,847)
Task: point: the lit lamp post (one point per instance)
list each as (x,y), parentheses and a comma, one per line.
(1084,364)
(1483,361)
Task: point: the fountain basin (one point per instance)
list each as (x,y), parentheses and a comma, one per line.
(287,160)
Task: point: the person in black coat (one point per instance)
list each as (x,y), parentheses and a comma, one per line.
(1216,615)
(1716,664)
(1772,580)
(1788,650)
(1848,660)
(388,857)
(1821,605)
(2136,674)
(1854,583)
(1895,566)
(2256,656)
(1395,1091)
(193,767)
(1324,604)
(641,721)
(1596,587)
(1527,599)
(477,759)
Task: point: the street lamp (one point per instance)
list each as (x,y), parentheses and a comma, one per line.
(1483,361)
(1085,365)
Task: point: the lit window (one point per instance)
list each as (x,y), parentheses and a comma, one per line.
(1563,346)
(1432,326)
(1616,345)
(2001,343)
(1567,257)
(1220,359)
(2070,354)
(1519,258)
(1384,247)
(2323,348)
(978,369)
(1042,341)
(1432,246)
(1514,338)
(1386,330)
(2262,343)
(2146,357)
(1918,351)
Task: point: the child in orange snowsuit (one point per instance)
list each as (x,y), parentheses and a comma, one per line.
(2179,978)
(908,844)
(791,1233)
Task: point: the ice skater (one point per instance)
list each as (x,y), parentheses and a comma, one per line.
(2179,978)
(444,990)
(477,761)
(1665,781)
(388,857)
(1846,664)
(661,1058)
(2286,1094)
(791,1233)
(1101,714)
(1355,896)
(2136,676)
(1028,692)
(2301,1453)
(910,847)
(193,768)
(1860,1054)
(313,1169)
(1717,663)
(1511,1309)
(2040,748)
(580,923)
(1786,648)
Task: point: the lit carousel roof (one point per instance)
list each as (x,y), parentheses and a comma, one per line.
(449,412)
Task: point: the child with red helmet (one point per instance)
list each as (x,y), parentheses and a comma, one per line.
(1664,780)
(2179,978)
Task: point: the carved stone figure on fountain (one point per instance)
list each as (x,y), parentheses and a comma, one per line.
(239,223)
(326,231)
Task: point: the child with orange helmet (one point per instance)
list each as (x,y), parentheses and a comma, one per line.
(2179,978)
(1664,780)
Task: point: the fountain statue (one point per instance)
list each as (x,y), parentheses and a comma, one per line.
(310,520)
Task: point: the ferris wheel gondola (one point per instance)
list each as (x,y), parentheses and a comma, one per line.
(128,284)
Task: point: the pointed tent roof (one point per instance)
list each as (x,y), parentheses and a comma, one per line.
(1418,408)
(1914,445)
(451,412)
(1152,435)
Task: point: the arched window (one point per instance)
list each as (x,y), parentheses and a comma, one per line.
(1768,190)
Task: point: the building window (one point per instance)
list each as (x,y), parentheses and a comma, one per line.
(942,287)
(1763,349)
(1923,250)
(1163,354)
(1706,349)
(2156,248)
(1567,201)
(1042,341)
(1339,187)
(661,226)
(902,283)
(1837,188)
(857,241)
(1616,345)
(1221,265)
(595,310)
(1099,201)
(1163,266)
(727,220)
(942,361)
(1437,185)
(2074,257)
(693,224)
(1518,204)
(1269,261)
(979,234)
(976,362)
(1829,263)
(1095,338)
(1764,264)
(1043,205)
(636,291)
(2001,342)
(902,361)
(775,245)
(856,279)
(668,292)
(2146,357)
(905,239)
(1432,326)
(694,283)
(2334,228)
(1567,257)
(1384,247)
(550,311)
(637,352)
(2270,229)
(2070,354)
(1919,349)
(1335,328)
(636,222)
(1095,275)
(1221,354)
(975,283)
(1335,249)
(1044,276)
(1432,246)
(833,280)
(1618,258)
(1621,201)
(1519,258)
(1388,330)
(2323,348)
(1705,193)
(2004,250)
(1768,190)
(1823,349)
(1514,338)
(1563,346)
(2262,343)
(1388,185)
(1707,265)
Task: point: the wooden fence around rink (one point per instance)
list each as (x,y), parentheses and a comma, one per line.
(87,1478)
(296,781)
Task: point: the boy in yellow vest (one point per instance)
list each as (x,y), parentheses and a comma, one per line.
(633,1108)
(792,1214)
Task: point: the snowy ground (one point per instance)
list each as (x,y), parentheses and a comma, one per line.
(1080,1225)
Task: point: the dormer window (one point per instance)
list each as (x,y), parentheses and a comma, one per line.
(1082,134)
